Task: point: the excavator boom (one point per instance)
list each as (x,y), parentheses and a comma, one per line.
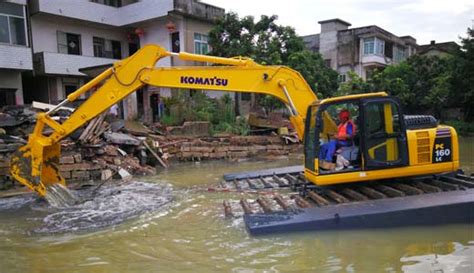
(36,164)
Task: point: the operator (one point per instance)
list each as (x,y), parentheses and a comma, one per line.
(343,138)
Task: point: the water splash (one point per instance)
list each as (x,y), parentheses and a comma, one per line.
(111,205)
(60,196)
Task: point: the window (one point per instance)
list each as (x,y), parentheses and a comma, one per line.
(175,43)
(200,44)
(69,43)
(69,88)
(12,24)
(99,47)
(369,46)
(7,96)
(383,131)
(107,48)
(380,47)
(116,49)
(327,62)
(342,77)
(374,46)
(400,54)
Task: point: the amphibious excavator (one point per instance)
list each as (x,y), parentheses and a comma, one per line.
(387,144)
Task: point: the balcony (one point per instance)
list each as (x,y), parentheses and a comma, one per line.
(103,14)
(376,60)
(64,64)
(15,57)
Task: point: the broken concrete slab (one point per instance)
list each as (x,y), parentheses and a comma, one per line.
(119,138)
(7,120)
(117,125)
(191,128)
(136,128)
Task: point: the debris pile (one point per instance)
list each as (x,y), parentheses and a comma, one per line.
(183,148)
(107,145)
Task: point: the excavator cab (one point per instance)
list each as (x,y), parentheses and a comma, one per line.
(378,142)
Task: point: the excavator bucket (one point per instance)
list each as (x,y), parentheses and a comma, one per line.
(37,166)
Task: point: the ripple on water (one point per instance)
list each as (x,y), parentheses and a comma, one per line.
(109,206)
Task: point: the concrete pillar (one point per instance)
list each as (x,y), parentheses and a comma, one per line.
(130,107)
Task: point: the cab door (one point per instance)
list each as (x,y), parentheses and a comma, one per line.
(311,141)
(384,134)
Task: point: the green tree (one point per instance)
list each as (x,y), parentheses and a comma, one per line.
(262,40)
(422,83)
(463,76)
(354,85)
(321,79)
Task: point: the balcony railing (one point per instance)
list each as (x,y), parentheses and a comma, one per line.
(64,64)
(15,57)
(374,59)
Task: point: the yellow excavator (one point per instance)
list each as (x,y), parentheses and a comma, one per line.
(387,144)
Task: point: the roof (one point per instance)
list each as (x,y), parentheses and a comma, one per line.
(444,47)
(336,20)
(311,41)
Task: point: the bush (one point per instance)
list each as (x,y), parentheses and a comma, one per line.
(462,127)
(199,107)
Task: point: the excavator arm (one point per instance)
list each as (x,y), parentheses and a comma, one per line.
(36,165)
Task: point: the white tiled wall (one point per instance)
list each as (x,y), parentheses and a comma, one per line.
(15,57)
(44,32)
(63,64)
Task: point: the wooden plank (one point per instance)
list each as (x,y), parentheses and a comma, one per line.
(280,181)
(444,185)
(265,204)
(280,201)
(371,193)
(227,209)
(427,188)
(246,206)
(336,196)
(410,190)
(389,191)
(300,201)
(321,201)
(265,183)
(155,154)
(354,194)
(252,184)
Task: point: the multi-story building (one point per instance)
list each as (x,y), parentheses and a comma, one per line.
(15,51)
(361,49)
(71,41)
(438,49)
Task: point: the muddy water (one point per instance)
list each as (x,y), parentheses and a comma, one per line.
(186,232)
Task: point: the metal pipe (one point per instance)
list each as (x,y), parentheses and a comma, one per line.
(211,59)
(290,101)
(55,108)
